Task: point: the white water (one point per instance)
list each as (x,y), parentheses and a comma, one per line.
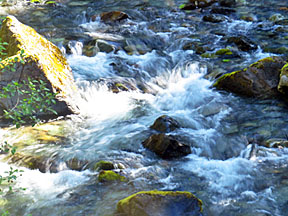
(112,127)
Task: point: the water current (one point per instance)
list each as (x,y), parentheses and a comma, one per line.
(228,172)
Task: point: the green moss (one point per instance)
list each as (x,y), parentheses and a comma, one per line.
(108,176)
(260,64)
(103,165)
(126,200)
(226,60)
(224,51)
(208,55)
(285,67)
(218,83)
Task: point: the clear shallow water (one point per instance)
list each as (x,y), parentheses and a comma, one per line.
(222,170)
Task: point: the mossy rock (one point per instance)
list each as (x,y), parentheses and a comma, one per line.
(283,83)
(103,165)
(110,176)
(42,61)
(29,161)
(168,203)
(76,164)
(224,51)
(258,80)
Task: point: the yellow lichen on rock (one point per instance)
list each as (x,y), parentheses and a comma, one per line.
(43,60)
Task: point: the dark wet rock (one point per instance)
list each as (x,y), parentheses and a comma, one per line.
(165,124)
(276,143)
(104,46)
(168,203)
(194,45)
(76,164)
(258,80)
(166,146)
(276,17)
(194,4)
(73,47)
(283,22)
(103,165)
(137,49)
(113,16)
(92,47)
(29,161)
(276,50)
(248,18)
(117,87)
(227,3)
(110,176)
(243,43)
(222,10)
(214,18)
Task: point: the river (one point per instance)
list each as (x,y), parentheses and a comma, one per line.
(228,172)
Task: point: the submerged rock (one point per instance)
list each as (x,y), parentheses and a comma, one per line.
(160,203)
(243,43)
(165,124)
(276,143)
(113,16)
(166,146)
(214,18)
(42,61)
(104,165)
(194,4)
(29,161)
(227,3)
(258,80)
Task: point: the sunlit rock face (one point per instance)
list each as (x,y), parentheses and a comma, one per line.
(42,61)
(170,203)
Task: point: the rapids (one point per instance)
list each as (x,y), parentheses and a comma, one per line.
(228,172)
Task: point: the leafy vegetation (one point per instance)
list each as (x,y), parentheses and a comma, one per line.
(33,97)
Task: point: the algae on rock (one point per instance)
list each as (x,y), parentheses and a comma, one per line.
(168,203)
(42,61)
(258,80)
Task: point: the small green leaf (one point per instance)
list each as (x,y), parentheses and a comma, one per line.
(182,6)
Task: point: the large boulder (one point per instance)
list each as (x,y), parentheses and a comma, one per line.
(42,61)
(160,203)
(166,146)
(258,80)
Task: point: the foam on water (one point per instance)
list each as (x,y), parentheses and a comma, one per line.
(229,177)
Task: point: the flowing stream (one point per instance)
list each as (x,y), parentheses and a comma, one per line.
(228,172)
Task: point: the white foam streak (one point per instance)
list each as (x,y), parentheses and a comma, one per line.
(186,90)
(100,103)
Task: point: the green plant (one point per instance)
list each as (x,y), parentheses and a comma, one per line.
(33,98)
